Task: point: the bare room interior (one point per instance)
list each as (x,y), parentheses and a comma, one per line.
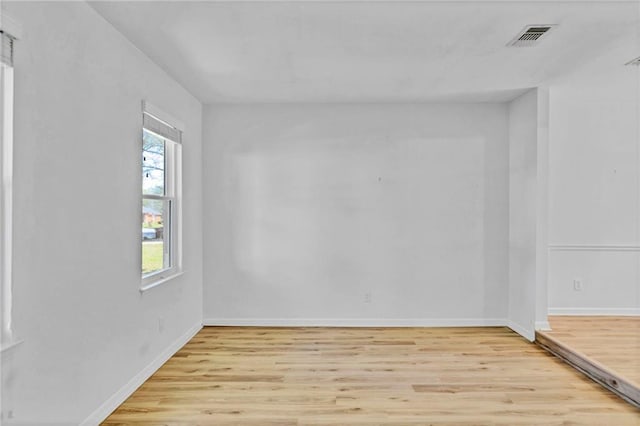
(320,212)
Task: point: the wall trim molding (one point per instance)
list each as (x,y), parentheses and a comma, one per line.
(523,331)
(125,391)
(593,247)
(595,311)
(370,322)
(357,322)
(542,325)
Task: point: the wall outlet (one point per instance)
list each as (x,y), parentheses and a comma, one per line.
(577,284)
(367,297)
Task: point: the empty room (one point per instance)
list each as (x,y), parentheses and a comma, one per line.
(320,212)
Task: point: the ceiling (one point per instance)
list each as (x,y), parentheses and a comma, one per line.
(323,51)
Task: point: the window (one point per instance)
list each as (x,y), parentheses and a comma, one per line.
(6,174)
(161,190)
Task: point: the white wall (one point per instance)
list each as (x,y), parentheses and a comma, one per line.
(527,216)
(542,210)
(594,229)
(87,329)
(310,207)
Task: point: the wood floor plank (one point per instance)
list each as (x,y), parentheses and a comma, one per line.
(587,344)
(613,341)
(368,376)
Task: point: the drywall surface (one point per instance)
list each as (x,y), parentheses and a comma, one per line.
(87,329)
(542,210)
(594,234)
(355,214)
(523,202)
(354,51)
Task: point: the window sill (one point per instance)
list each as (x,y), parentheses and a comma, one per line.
(10,345)
(160,281)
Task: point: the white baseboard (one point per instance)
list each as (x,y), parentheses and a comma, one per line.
(595,311)
(124,392)
(356,322)
(525,332)
(371,322)
(543,325)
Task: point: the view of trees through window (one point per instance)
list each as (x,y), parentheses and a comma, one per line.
(155,207)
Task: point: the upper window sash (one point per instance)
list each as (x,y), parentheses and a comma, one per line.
(168,168)
(154,164)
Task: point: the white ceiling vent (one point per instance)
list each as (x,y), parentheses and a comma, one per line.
(635,61)
(530,36)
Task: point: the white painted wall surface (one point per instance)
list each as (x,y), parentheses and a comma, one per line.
(542,210)
(87,329)
(309,208)
(594,229)
(523,187)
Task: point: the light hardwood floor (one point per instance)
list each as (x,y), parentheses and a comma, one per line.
(368,376)
(612,341)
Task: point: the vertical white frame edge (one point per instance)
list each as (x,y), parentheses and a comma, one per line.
(6,202)
(173,182)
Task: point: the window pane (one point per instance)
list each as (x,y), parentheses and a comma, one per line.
(153,164)
(155,235)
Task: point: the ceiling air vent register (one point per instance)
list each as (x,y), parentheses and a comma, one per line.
(530,36)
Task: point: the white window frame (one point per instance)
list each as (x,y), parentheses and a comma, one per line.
(12,29)
(6,198)
(173,193)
